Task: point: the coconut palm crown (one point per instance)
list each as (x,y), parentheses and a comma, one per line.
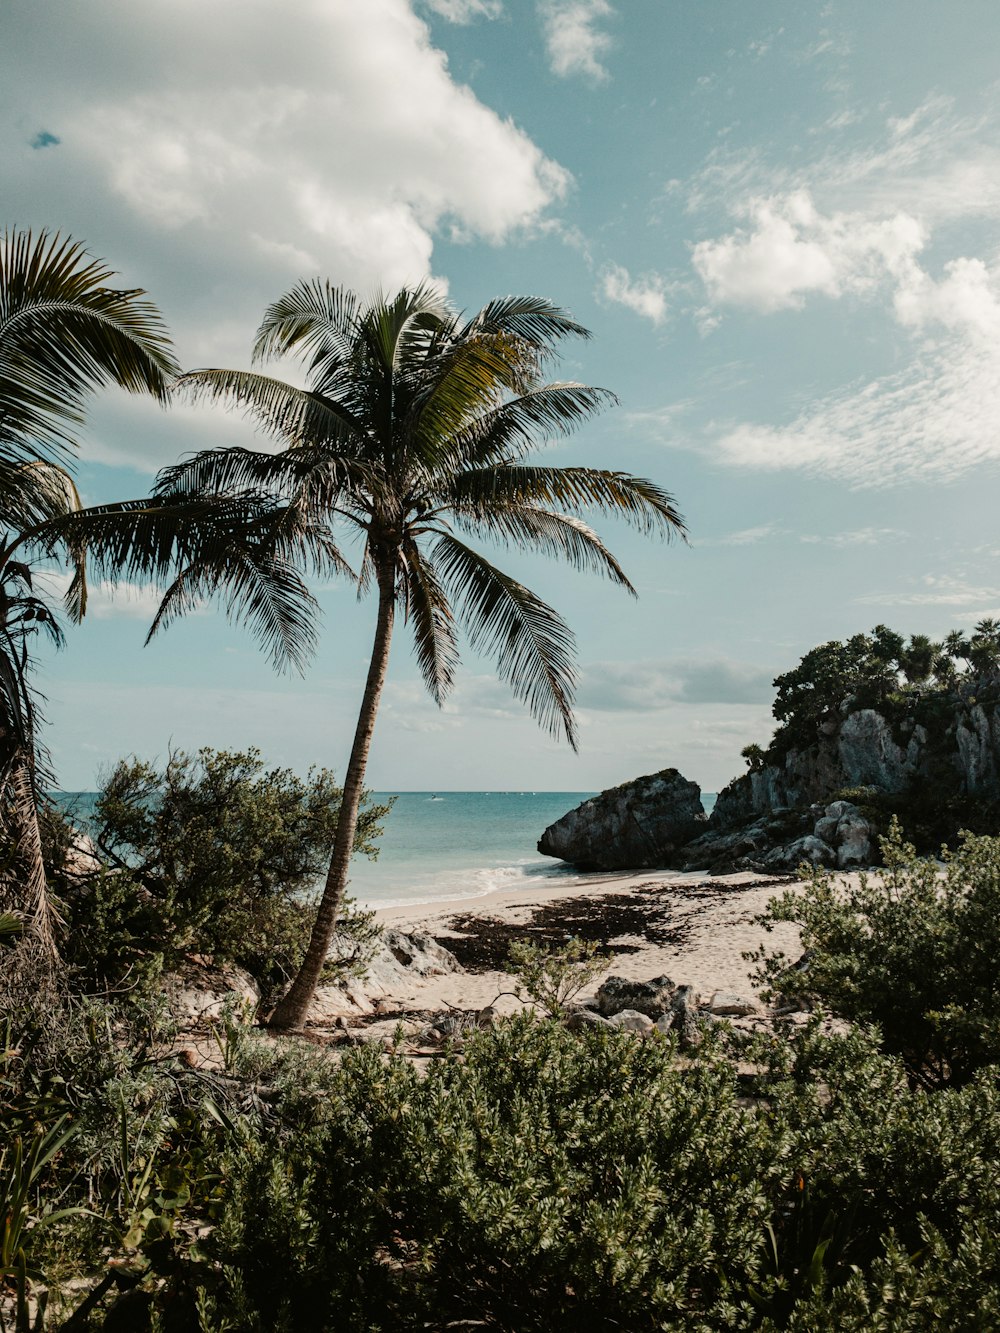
(414,433)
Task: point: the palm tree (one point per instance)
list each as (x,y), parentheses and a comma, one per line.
(63,333)
(415,431)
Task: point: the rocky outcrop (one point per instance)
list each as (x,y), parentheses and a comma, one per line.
(399,957)
(200,991)
(934,759)
(639,824)
(957,752)
(835,835)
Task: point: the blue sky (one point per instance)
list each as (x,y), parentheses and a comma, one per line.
(780,221)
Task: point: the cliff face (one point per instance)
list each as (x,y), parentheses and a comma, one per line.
(955,751)
(936,765)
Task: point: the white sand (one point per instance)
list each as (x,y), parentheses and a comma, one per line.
(717,932)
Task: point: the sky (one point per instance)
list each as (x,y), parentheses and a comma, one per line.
(779,221)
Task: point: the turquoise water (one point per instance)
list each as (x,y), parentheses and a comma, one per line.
(450,844)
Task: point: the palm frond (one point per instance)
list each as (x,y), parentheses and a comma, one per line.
(316,480)
(469,378)
(392,327)
(241,547)
(285,412)
(64,332)
(314,316)
(531,319)
(639,502)
(434,640)
(267,595)
(33,492)
(562,536)
(507,432)
(532,644)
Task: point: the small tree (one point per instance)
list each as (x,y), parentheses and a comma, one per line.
(754,755)
(553,977)
(211,854)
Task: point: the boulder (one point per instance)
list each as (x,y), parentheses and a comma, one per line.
(630,1020)
(826,829)
(854,842)
(417,952)
(688,1023)
(652,998)
(582,1020)
(724,1005)
(809,850)
(199,991)
(82,856)
(634,826)
(399,956)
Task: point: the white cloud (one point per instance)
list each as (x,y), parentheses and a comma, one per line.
(966,299)
(745,537)
(857,223)
(863,537)
(574,42)
(464,11)
(936,590)
(644,686)
(791,250)
(934,164)
(322,136)
(933,420)
(646,296)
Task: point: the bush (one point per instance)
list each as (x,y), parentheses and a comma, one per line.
(546,1181)
(211,855)
(554,977)
(911,949)
(538,1181)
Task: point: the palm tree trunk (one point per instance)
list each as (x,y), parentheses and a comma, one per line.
(290,1011)
(31,897)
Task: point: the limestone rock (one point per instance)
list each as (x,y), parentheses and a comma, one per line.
(809,850)
(854,842)
(199,992)
(630,1020)
(733,1006)
(826,829)
(687,1021)
(652,998)
(419,953)
(639,824)
(583,1020)
(399,957)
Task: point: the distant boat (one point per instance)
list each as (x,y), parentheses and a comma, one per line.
(437,798)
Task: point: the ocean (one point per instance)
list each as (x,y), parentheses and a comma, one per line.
(447,845)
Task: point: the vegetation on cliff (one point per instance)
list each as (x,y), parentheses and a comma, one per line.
(897,727)
(905,681)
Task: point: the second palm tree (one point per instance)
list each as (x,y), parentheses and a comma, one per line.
(415,430)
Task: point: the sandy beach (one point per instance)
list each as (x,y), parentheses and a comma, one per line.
(692,927)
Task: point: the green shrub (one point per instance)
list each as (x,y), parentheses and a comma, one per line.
(214,855)
(912,949)
(538,1181)
(546,1181)
(553,977)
